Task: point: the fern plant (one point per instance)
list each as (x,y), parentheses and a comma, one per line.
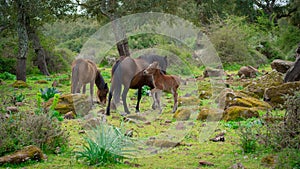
(48,93)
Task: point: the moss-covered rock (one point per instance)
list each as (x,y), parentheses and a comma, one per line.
(78,103)
(41,82)
(258,86)
(249,102)
(188,101)
(162,143)
(19,84)
(275,95)
(238,112)
(182,114)
(28,153)
(211,114)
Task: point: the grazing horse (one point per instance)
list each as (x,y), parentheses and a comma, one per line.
(129,73)
(166,83)
(85,71)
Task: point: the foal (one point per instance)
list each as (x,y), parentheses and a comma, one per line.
(166,83)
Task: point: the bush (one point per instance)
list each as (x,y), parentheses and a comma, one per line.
(37,129)
(7,76)
(104,145)
(235,41)
(60,60)
(7,65)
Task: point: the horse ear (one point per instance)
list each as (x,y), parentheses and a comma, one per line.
(105,86)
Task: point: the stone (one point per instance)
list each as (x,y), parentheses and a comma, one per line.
(247,72)
(78,103)
(162,143)
(238,113)
(269,161)
(12,109)
(210,114)
(41,82)
(209,72)
(182,114)
(28,153)
(275,95)
(70,115)
(190,101)
(281,65)
(258,86)
(205,163)
(20,84)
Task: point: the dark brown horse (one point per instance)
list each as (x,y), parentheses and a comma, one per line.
(162,82)
(85,71)
(129,73)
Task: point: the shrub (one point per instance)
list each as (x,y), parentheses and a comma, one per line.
(19,97)
(37,129)
(7,65)
(48,93)
(7,76)
(105,144)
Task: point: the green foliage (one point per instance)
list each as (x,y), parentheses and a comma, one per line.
(145,90)
(104,145)
(48,93)
(31,129)
(19,97)
(53,113)
(235,41)
(60,60)
(289,158)
(7,65)
(7,76)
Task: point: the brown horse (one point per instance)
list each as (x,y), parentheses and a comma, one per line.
(166,83)
(85,71)
(129,73)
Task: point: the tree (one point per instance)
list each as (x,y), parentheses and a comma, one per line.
(114,9)
(26,17)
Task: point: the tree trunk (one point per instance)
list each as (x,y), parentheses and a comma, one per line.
(38,49)
(23,41)
(123,47)
(120,36)
(293,74)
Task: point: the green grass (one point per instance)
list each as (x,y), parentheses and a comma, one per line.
(187,155)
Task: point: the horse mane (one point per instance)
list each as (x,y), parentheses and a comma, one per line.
(99,80)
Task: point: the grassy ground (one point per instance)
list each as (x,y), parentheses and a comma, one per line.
(191,150)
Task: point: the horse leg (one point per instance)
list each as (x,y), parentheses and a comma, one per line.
(108,105)
(124,94)
(92,91)
(153,94)
(84,89)
(175,95)
(137,108)
(78,87)
(158,96)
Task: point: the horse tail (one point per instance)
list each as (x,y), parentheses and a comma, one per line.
(75,79)
(115,66)
(116,88)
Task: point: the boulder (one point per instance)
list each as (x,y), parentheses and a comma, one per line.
(78,103)
(210,114)
(41,82)
(247,71)
(281,65)
(275,95)
(188,101)
(182,114)
(209,72)
(19,84)
(238,112)
(28,153)
(162,143)
(70,115)
(258,86)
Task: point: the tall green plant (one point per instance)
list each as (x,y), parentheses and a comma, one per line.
(104,145)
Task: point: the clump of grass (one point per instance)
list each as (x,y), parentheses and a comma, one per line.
(104,145)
